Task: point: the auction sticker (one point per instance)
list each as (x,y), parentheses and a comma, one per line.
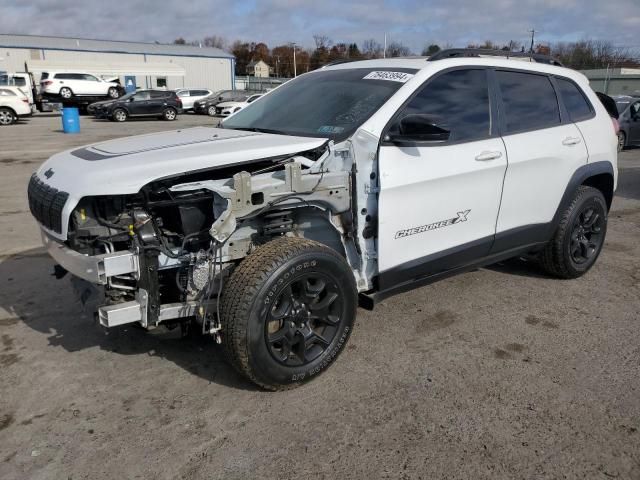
(391,76)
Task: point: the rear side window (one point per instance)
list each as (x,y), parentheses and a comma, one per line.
(161,94)
(529,100)
(456,101)
(574,100)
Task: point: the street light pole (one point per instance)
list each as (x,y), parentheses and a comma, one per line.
(295,71)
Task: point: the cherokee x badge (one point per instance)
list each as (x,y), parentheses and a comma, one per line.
(462,217)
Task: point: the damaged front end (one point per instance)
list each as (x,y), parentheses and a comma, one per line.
(163,254)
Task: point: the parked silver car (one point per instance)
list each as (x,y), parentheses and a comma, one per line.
(629,119)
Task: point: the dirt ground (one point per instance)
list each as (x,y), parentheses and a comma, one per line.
(498,373)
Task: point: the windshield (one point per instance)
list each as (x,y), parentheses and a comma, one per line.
(332,103)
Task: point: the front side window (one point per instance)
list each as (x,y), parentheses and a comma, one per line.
(184,93)
(326,104)
(456,102)
(141,96)
(89,78)
(529,101)
(574,100)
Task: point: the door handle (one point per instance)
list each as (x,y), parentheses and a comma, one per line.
(571,141)
(486,156)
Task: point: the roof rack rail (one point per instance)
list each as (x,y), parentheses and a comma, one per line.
(478,52)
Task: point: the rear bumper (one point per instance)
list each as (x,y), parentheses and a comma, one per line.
(95,269)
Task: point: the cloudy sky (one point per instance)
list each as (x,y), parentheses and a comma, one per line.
(413,22)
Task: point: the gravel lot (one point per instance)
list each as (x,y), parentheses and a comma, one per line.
(498,373)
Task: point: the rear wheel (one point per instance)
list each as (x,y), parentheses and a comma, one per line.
(66,93)
(169,114)
(7,117)
(287,312)
(622,140)
(119,115)
(579,237)
(211,111)
(113,92)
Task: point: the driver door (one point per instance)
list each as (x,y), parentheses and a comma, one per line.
(139,103)
(439,200)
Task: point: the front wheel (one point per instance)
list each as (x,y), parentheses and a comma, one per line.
(119,115)
(66,93)
(169,114)
(211,111)
(579,238)
(287,312)
(113,92)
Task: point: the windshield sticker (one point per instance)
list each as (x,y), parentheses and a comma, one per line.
(390,76)
(330,129)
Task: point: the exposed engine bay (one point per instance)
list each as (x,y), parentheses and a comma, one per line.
(188,232)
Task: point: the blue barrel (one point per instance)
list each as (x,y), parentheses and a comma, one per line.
(70,120)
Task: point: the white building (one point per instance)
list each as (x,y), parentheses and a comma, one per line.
(141,65)
(259,68)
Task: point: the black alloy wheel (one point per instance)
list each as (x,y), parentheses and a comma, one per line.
(304,319)
(586,236)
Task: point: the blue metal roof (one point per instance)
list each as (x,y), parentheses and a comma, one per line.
(108,46)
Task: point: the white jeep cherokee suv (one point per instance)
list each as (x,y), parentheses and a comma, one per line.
(355,181)
(67,85)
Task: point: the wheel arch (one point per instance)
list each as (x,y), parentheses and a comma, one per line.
(7,107)
(604,183)
(598,175)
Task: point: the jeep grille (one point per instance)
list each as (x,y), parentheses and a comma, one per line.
(46,203)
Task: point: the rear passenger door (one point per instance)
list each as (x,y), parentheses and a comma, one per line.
(157,102)
(544,149)
(439,200)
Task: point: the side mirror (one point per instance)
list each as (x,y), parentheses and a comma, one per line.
(419,128)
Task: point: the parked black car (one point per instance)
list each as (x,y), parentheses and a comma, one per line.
(143,103)
(207,106)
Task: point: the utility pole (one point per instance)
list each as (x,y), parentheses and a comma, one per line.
(295,71)
(533,33)
(384,52)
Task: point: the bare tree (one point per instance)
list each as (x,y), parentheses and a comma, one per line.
(322,42)
(215,41)
(398,49)
(586,54)
(371,49)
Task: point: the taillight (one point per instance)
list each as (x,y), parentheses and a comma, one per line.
(46,82)
(179,102)
(616,125)
(25,100)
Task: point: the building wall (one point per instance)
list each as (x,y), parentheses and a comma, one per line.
(201,72)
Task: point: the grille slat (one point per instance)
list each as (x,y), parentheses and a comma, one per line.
(46,203)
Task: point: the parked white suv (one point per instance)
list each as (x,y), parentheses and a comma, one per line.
(191,95)
(353,182)
(229,108)
(69,84)
(14,103)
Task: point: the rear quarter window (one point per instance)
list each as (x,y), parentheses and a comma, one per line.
(529,100)
(574,100)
